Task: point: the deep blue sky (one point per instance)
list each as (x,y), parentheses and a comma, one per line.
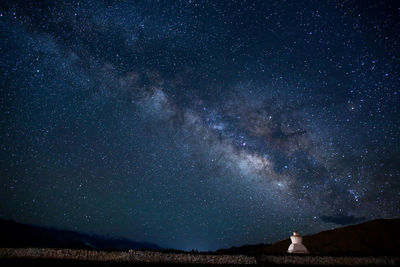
(199,124)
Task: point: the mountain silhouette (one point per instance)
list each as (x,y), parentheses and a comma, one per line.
(17,235)
(376,237)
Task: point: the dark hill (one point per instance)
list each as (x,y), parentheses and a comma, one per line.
(377,237)
(247,249)
(21,235)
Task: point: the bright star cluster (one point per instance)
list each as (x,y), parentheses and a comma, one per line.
(199,124)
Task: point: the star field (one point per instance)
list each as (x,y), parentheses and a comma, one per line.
(199,124)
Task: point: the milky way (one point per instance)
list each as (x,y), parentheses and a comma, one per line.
(199,124)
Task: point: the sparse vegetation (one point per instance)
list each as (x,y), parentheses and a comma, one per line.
(121,256)
(134,256)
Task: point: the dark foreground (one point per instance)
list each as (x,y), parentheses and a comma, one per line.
(71,263)
(81,257)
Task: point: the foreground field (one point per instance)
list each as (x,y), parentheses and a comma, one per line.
(130,256)
(68,257)
(81,263)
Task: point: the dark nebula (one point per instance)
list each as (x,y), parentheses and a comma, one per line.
(199,124)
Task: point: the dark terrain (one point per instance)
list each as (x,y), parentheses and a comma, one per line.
(69,263)
(16,235)
(374,243)
(377,237)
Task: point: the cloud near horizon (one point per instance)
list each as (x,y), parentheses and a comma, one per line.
(342,219)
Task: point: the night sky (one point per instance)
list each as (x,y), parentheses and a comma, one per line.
(199,124)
